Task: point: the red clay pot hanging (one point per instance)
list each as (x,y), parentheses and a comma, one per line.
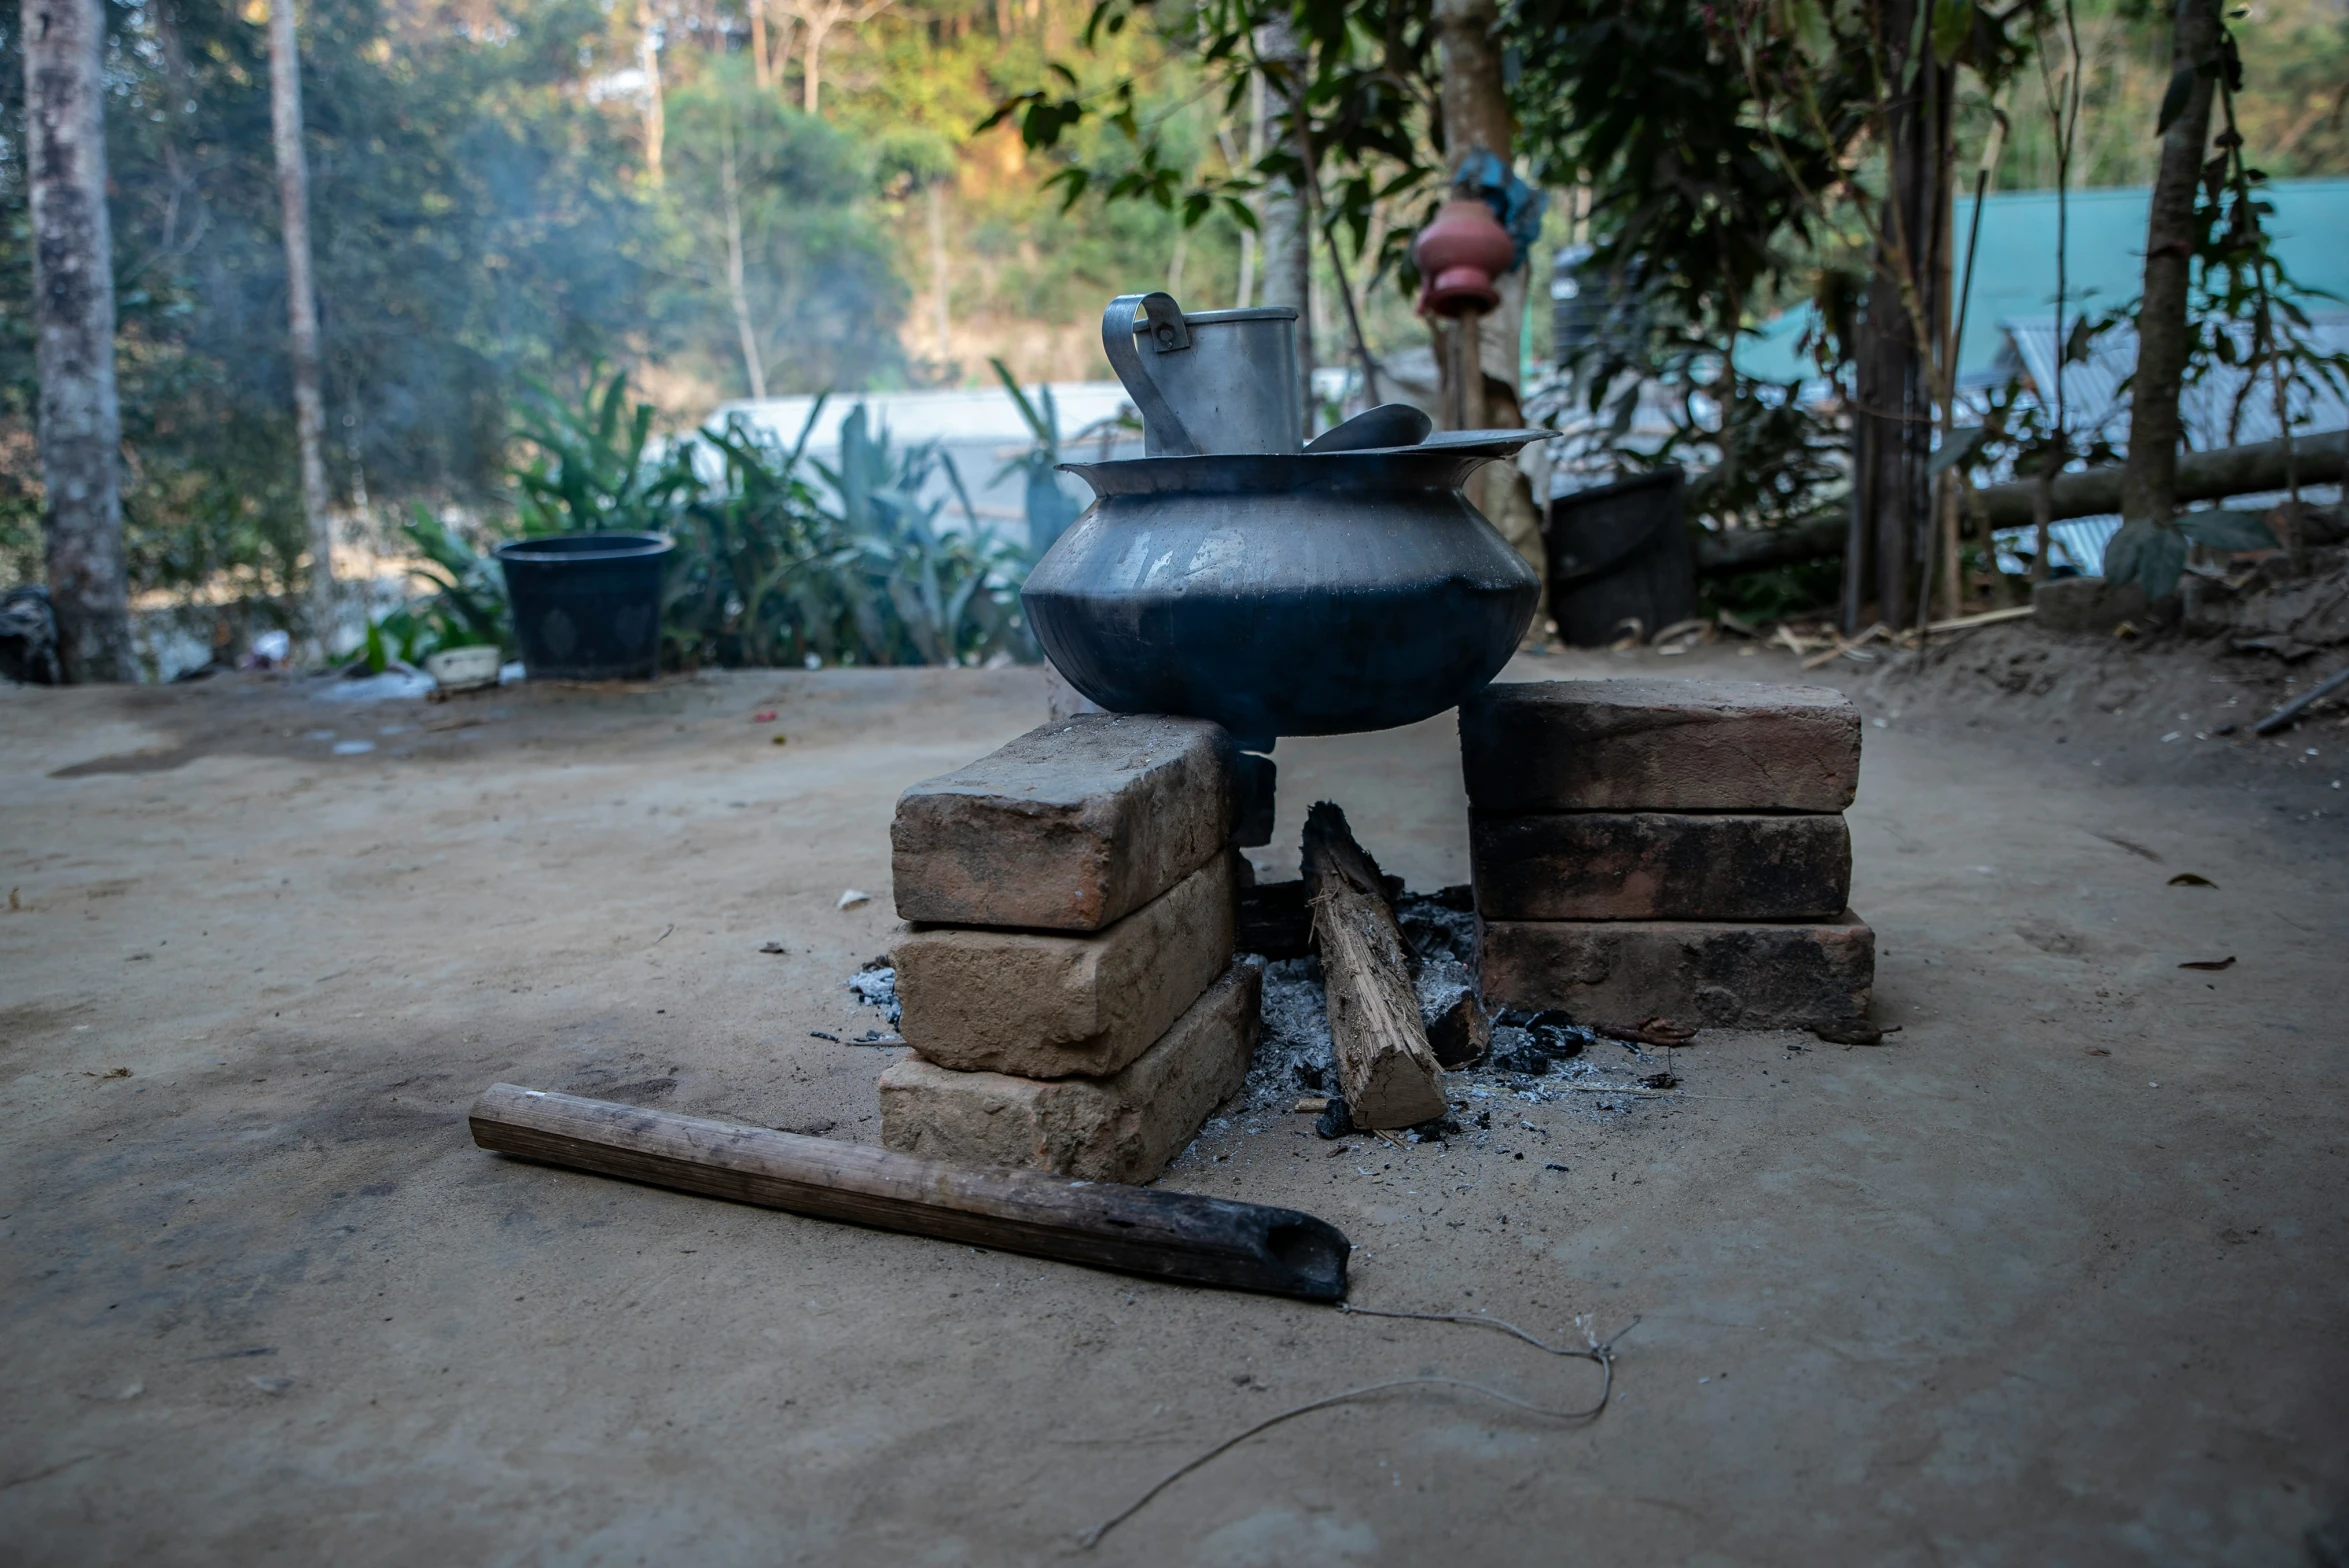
(1459,255)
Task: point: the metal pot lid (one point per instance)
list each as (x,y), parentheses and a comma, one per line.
(1484,443)
(1276,473)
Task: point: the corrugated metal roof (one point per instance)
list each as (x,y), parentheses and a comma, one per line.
(2104,250)
(2224,408)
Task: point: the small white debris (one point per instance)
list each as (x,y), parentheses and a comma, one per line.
(2172,735)
(353,748)
(850,898)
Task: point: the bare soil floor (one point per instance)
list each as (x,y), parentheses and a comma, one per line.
(2057,1275)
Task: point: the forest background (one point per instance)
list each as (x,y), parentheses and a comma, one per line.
(510,196)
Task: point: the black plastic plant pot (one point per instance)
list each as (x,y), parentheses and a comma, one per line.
(587,607)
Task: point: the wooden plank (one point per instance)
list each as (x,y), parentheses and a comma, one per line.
(1169,1235)
(1385,1066)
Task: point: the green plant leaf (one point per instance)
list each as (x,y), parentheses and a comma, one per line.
(2175,99)
(1953,30)
(1960,447)
(2141,553)
(2225,529)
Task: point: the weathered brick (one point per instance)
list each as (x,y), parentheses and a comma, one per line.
(1699,972)
(1653,865)
(1121,1128)
(1067,828)
(1659,745)
(1049,1006)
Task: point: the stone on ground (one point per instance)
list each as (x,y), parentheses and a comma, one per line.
(1659,745)
(1728,976)
(1067,828)
(1606,865)
(1049,1006)
(1122,1128)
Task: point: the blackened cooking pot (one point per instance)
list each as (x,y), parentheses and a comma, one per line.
(1306,594)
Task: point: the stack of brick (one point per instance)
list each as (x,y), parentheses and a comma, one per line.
(1067,979)
(1646,847)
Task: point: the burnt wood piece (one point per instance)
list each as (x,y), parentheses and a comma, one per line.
(1274,920)
(1459,1030)
(1275,923)
(1385,1065)
(1168,1235)
(1660,865)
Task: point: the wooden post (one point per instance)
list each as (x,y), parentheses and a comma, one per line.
(1385,1066)
(73,323)
(1171,1235)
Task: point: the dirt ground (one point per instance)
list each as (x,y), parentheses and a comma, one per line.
(2057,1275)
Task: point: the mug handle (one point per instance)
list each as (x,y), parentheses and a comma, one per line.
(1117,341)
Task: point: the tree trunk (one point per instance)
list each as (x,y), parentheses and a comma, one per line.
(754,365)
(1892,424)
(648,59)
(935,195)
(1475,105)
(2197,476)
(293,195)
(761,69)
(73,320)
(1247,289)
(1288,214)
(811,69)
(2150,475)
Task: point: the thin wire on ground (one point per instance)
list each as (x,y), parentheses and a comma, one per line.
(1600,1351)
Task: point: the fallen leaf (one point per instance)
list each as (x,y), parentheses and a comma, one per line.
(2098,1050)
(773,947)
(763,716)
(780,741)
(2209,963)
(2189,879)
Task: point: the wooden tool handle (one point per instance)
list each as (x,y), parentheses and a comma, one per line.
(1171,1235)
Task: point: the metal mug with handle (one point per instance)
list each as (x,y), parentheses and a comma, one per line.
(1212,381)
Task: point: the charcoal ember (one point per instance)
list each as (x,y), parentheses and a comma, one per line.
(1457,1026)
(1435,930)
(1309,1076)
(1336,1120)
(1552,1031)
(1435,1129)
(1274,921)
(1514,1051)
(1562,1041)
